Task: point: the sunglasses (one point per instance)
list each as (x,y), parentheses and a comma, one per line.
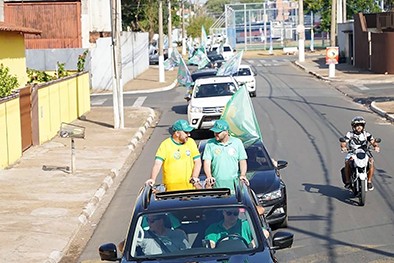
(153,219)
(229,213)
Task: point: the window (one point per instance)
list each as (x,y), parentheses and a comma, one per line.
(189,231)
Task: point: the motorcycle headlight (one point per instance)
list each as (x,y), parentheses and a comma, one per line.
(272,195)
(194,109)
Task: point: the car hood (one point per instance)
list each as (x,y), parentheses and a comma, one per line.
(250,258)
(264,181)
(210,101)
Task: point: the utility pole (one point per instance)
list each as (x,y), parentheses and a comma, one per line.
(301,31)
(169,29)
(117,89)
(333,23)
(183,29)
(161,54)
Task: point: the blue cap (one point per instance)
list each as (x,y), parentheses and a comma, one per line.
(219,126)
(182,125)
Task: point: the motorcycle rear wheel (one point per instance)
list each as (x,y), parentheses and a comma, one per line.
(363,192)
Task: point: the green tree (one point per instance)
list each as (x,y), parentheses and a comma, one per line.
(143,15)
(194,27)
(323,7)
(216,7)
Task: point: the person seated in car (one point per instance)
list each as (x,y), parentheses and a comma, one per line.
(230,225)
(159,238)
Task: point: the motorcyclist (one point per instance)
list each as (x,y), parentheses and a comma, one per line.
(354,139)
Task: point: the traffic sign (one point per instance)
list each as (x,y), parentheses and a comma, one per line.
(332,55)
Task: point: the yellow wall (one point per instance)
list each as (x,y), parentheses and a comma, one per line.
(62,101)
(12,55)
(10,132)
(83,84)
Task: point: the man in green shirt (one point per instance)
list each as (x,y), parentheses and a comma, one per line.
(222,155)
(230,225)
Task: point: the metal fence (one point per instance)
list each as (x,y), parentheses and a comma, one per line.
(267,25)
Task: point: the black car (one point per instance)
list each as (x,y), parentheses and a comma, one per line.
(154,57)
(187,217)
(264,177)
(216,59)
(205,72)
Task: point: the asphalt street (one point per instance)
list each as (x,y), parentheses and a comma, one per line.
(45,213)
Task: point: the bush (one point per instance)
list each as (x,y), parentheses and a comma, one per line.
(81,61)
(38,76)
(7,82)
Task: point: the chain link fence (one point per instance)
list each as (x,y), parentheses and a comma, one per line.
(268,25)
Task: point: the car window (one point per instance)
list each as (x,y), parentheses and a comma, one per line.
(226,49)
(189,231)
(215,90)
(258,159)
(243,72)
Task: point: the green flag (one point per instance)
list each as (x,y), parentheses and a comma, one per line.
(184,77)
(231,66)
(239,114)
(203,37)
(204,60)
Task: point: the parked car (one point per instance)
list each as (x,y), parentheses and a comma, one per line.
(187,215)
(209,97)
(246,76)
(264,177)
(154,56)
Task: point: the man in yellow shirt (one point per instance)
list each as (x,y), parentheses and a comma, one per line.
(180,159)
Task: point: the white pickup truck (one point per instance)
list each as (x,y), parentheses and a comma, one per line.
(209,97)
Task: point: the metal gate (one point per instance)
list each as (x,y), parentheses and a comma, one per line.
(25,111)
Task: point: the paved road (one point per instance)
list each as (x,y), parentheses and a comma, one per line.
(301,118)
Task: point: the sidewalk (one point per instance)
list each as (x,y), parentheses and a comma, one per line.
(42,211)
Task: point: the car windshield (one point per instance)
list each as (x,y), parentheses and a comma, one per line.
(215,90)
(195,232)
(243,72)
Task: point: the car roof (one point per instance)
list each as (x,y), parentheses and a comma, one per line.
(215,79)
(244,66)
(176,200)
(203,73)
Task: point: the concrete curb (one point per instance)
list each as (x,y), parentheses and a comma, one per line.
(169,87)
(108,181)
(312,72)
(381,112)
(372,106)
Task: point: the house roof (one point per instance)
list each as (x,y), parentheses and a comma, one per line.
(14,28)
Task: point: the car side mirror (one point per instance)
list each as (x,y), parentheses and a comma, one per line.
(108,252)
(281,164)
